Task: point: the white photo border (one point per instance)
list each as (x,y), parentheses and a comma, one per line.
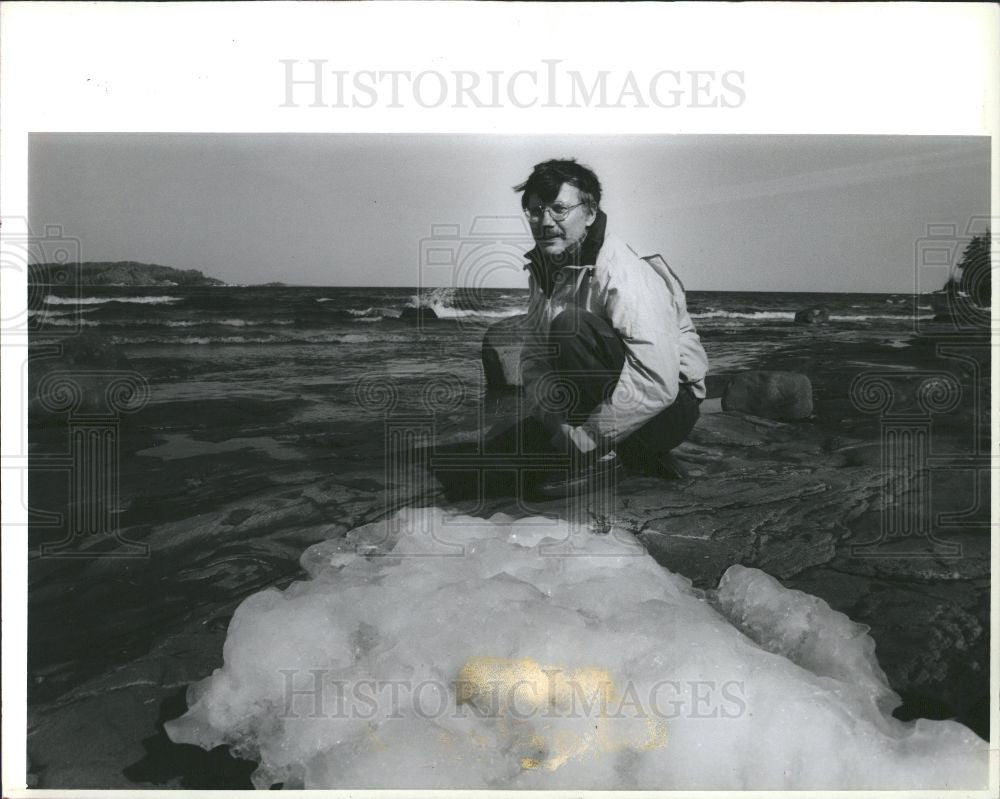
(831,68)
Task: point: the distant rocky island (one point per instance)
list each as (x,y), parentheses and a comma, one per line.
(116,273)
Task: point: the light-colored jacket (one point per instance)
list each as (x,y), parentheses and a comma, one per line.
(643,301)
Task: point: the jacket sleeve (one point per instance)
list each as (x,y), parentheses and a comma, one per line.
(640,308)
(693,360)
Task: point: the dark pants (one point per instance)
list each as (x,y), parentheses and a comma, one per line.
(588,362)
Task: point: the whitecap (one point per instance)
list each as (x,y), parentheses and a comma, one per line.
(744,315)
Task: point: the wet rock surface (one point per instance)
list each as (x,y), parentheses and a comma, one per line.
(810,502)
(81,374)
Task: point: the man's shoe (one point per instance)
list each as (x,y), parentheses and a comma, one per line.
(669,468)
(583,478)
(636,455)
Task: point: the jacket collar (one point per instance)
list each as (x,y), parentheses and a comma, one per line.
(544,267)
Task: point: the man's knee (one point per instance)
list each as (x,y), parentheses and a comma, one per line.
(673,425)
(572,322)
(586,344)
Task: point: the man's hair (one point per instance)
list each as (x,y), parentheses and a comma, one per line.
(548,177)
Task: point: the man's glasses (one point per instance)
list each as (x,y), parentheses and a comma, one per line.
(557,211)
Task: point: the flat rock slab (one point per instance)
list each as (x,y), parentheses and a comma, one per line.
(779,496)
(109,733)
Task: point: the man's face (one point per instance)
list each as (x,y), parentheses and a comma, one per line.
(553,236)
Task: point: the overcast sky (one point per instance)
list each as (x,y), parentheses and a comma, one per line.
(738,213)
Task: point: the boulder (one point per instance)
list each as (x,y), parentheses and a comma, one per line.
(502,352)
(786,396)
(715,385)
(419,314)
(812,316)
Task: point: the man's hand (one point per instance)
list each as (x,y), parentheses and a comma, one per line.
(575,440)
(564,437)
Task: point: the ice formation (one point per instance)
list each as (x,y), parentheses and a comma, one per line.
(435,650)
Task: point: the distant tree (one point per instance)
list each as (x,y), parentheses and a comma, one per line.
(975,270)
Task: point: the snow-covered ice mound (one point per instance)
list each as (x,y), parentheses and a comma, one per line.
(444,651)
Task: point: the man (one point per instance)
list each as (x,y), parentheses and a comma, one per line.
(613,367)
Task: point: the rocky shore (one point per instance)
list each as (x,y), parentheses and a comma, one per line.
(815,502)
(115,273)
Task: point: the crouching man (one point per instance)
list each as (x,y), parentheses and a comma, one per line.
(613,368)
